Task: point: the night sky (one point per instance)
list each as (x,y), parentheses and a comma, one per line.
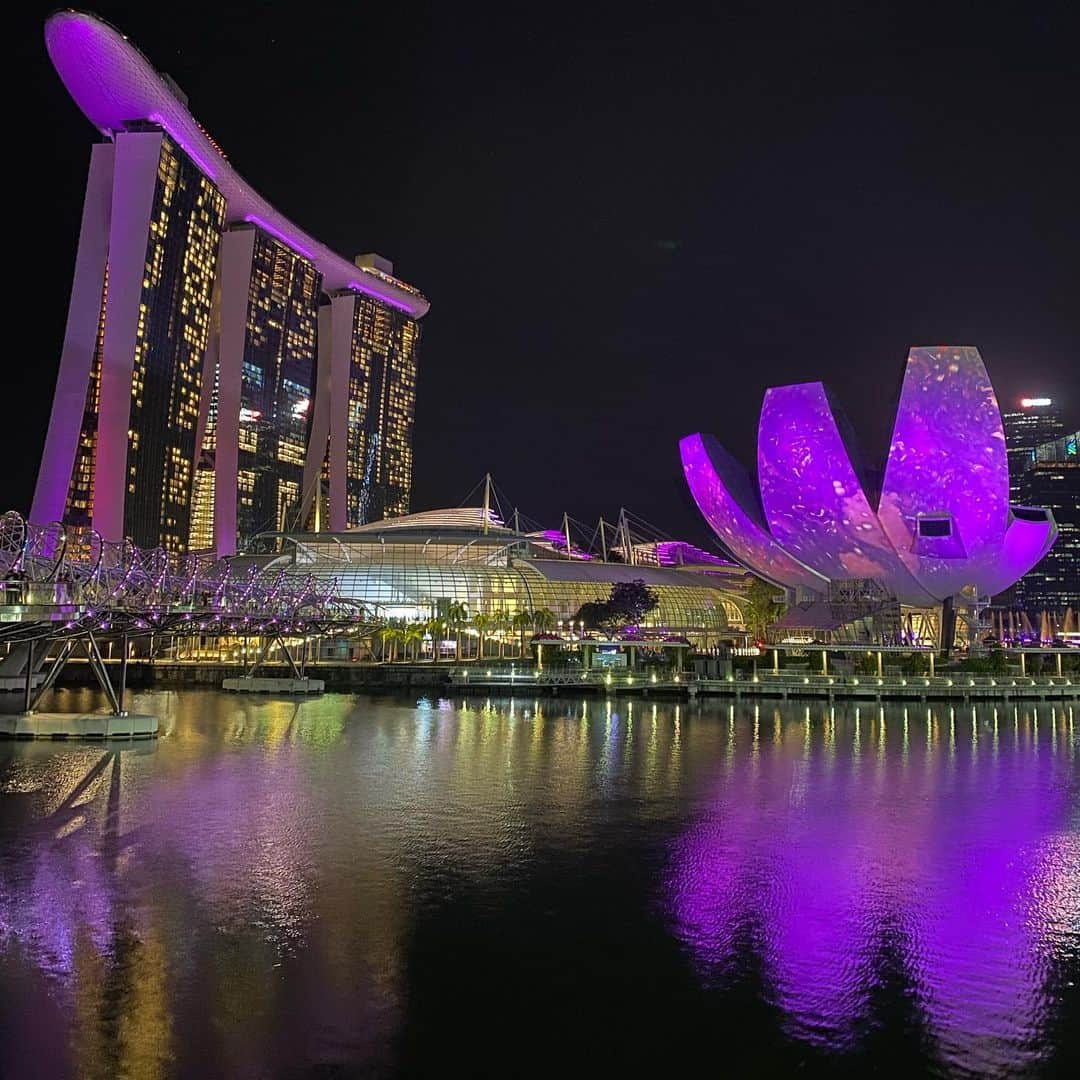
(629,220)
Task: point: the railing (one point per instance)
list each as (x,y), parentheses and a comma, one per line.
(873,683)
(567,677)
(70,578)
(950,685)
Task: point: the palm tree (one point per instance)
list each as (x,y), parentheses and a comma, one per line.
(522,621)
(414,634)
(457,614)
(390,636)
(502,624)
(482,623)
(434,627)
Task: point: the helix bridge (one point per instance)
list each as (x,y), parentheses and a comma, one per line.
(64,590)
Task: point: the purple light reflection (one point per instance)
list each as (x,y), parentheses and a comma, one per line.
(963,872)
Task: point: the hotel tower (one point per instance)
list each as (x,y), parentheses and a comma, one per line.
(222,372)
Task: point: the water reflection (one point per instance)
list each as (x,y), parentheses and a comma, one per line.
(935,848)
(274,885)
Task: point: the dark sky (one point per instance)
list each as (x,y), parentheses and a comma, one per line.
(630,220)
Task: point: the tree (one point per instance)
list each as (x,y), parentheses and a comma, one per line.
(482,624)
(595,614)
(762,608)
(631,601)
(390,635)
(414,634)
(628,603)
(456,617)
(501,623)
(435,627)
(543,619)
(521,622)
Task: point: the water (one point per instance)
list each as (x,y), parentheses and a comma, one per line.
(371,886)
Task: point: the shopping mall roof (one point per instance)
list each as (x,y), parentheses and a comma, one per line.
(610,573)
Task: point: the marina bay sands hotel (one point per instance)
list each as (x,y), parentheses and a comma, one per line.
(223,373)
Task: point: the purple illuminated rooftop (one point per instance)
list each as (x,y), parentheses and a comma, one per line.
(942,527)
(116,86)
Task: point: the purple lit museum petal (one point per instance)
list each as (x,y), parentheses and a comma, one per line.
(725,495)
(947,462)
(813,499)
(1026,542)
(114,85)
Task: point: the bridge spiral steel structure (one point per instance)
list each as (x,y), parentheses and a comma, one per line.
(64,581)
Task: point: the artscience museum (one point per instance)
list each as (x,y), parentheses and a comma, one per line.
(938,531)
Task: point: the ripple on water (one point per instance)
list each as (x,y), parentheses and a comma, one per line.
(354,881)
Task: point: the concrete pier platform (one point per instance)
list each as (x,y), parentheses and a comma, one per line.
(246,685)
(51,725)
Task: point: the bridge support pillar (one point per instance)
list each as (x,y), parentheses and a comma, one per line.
(123,677)
(29,688)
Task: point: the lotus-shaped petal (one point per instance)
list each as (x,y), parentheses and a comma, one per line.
(942,526)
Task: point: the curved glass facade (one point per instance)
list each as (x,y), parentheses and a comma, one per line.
(419,576)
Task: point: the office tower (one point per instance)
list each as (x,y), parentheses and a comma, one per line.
(1032,422)
(1052,480)
(194,400)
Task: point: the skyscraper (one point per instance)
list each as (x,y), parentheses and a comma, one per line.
(194,403)
(1052,479)
(368,411)
(259,417)
(1032,422)
(134,346)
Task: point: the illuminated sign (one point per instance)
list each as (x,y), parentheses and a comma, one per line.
(604,658)
(1034,402)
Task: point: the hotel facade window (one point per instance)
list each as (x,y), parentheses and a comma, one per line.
(381,413)
(278,380)
(153,274)
(174,320)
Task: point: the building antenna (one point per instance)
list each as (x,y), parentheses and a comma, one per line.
(603,540)
(566,531)
(487,501)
